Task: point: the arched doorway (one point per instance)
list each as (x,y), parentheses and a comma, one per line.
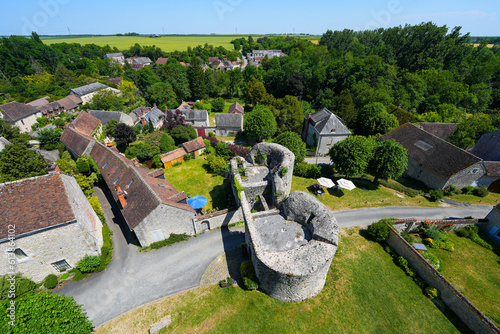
(495,186)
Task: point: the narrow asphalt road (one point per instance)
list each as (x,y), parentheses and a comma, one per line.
(134,278)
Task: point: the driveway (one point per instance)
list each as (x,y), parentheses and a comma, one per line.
(134,278)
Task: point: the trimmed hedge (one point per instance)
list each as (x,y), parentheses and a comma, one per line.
(50,281)
(379,231)
(247,272)
(106,249)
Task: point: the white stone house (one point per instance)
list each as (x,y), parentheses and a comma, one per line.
(52,222)
(323,129)
(87,92)
(197,118)
(118,57)
(21,115)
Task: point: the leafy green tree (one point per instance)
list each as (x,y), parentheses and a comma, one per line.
(352,155)
(105,100)
(182,134)
(374,119)
(109,129)
(196,78)
(129,91)
(390,160)
(45,313)
(167,143)
(124,134)
(7,130)
(218,104)
(18,162)
(294,143)
(49,138)
(470,129)
(289,114)
(255,92)
(161,94)
(235,80)
(344,108)
(222,150)
(260,123)
(216,163)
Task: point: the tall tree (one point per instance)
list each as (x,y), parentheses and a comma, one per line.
(124,134)
(18,162)
(161,94)
(390,160)
(344,108)
(196,78)
(289,114)
(352,155)
(374,119)
(293,142)
(260,123)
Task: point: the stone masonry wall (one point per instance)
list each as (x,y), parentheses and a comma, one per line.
(218,219)
(466,177)
(84,213)
(404,224)
(68,242)
(456,301)
(166,218)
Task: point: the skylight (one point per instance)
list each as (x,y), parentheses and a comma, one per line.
(105,165)
(118,179)
(423,145)
(162,185)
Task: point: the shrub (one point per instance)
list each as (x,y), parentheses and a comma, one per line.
(239,188)
(82,165)
(468,190)
(222,150)
(481,191)
(187,156)
(175,164)
(432,259)
(283,171)
(65,275)
(378,231)
(471,232)
(50,281)
(306,170)
(247,272)
(431,292)
(22,284)
(436,195)
(106,249)
(451,190)
(434,234)
(172,239)
(88,263)
(78,275)
(261,158)
(408,237)
(217,164)
(157,161)
(211,134)
(94,202)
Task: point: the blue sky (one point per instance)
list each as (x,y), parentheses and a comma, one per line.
(52,17)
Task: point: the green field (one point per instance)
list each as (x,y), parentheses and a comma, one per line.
(166,43)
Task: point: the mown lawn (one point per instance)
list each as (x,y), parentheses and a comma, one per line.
(366,195)
(365,292)
(474,271)
(193,177)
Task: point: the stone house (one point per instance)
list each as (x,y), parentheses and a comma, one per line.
(139,62)
(155,115)
(59,228)
(118,57)
(197,118)
(150,205)
(323,129)
(87,92)
(195,147)
(87,124)
(21,115)
(107,116)
(236,108)
(434,161)
(68,104)
(227,125)
(488,149)
(493,226)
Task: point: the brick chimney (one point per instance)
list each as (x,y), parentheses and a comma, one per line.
(121,197)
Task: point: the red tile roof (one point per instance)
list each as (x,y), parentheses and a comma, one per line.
(67,103)
(194,145)
(161,61)
(34,203)
(236,108)
(86,123)
(75,99)
(75,140)
(172,155)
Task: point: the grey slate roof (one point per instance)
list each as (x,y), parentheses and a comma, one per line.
(325,122)
(113,55)
(155,115)
(441,130)
(107,116)
(195,115)
(229,121)
(87,89)
(432,152)
(40,102)
(67,103)
(488,147)
(14,111)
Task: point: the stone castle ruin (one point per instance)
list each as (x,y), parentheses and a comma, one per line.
(292,238)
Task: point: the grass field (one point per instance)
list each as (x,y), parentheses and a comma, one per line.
(166,43)
(365,292)
(192,177)
(474,271)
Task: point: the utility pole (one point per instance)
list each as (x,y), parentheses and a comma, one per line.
(69,31)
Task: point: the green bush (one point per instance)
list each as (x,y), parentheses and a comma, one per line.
(283,171)
(216,163)
(65,275)
(471,232)
(468,190)
(157,161)
(306,170)
(436,195)
(88,264)
(401,188)
(432,259)
(22,284)
(451,190)
(187,156)
(378,231)
(431,292)
(247,272)
(78,275)
(82,165)
(50,282)
(434,234)
(481,191)
(408,237)
(106,249)
(173,239)
(175,164)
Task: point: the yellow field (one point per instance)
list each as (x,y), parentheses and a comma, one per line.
(166,43)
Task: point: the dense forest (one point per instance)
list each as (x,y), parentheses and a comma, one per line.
(424,72)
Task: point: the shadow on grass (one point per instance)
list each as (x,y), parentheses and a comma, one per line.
(336,192)
(222,196)
(365,184)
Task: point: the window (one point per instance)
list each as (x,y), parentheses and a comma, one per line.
(20,254)
(61,265)
(474,171)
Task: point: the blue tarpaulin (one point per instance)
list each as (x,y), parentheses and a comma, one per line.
(197,202)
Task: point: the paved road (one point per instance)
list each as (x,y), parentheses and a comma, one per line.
(133,278)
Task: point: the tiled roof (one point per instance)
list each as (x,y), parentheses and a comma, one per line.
(67,103)
(75,99)
(161,61)
(441,130)
(492,168)
(85,123)
(229,121)
(107,116)
(236,108)
(40,102)
(194,145)
(432,152)
(75,140)
(87,89)
(325,122)
(52,107)
(195,115)
(115,81)
(14,111)
(184,106)
(172,155)
(488,147)
(34,203)
(114,55)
